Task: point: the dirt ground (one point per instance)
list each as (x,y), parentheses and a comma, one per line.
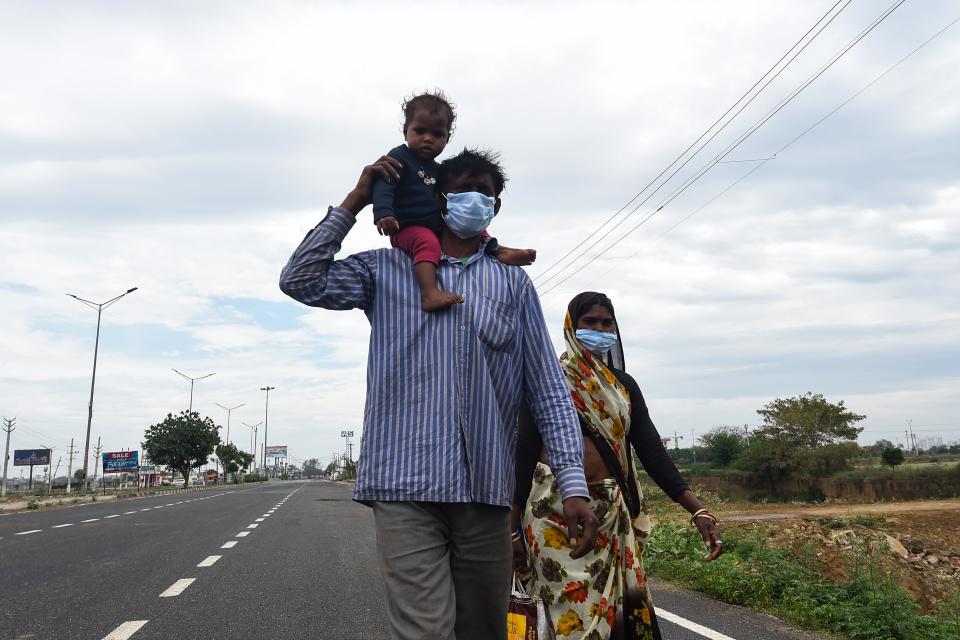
(917,543)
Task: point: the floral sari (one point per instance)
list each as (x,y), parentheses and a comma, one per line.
(603,593)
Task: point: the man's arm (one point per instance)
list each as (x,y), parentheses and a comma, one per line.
(312,276)
(557,422)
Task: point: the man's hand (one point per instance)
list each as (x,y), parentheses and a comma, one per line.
(388,226)
(582,525)
(386,167)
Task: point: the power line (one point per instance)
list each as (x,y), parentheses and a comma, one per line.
(699,174)
(706,132)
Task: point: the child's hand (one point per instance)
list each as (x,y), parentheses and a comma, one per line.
(516,257)
(388,226)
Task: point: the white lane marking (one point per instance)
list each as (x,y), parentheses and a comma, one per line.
(692,626)
(147,509)
(243,534)
(125,630)
(126,513)
(170,505)
(266,515)
(159,506)
(23,533)
(116,515)
(259,519)
(61,526)
(229,545)
(209,561)
(177,587)
(252,526)
(90,520)
(181,502)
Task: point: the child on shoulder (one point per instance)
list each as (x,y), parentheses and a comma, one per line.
(408,210)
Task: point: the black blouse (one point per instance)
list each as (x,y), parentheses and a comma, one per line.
(643,436)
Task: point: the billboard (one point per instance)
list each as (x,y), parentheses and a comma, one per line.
(28,457)
(346,434)
(277,451)
(118,461)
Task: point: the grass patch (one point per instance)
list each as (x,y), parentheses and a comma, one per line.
(867,606)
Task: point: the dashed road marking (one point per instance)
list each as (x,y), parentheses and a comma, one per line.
(170,504)
(266,515)
(23,533)
(116,515)
(229,545)
(706,632)
(209,561)
(61,526)
(177,587)
(252,526)
(125,630)
(90,520)
(259,519)
(147,509)
(243,534)
(126,513)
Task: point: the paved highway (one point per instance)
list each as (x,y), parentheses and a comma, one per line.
(287,560)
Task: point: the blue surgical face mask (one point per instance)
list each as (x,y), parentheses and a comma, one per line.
(469,213)
(597,342)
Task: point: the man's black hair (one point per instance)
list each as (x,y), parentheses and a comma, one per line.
(432,102)
(472,162)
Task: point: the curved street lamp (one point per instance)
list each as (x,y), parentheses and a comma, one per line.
(99,306)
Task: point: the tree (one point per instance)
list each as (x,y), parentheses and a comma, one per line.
(312,467)
(78,475)
(232,458)
(809,421)
(892,456)
(723,445)
(181,442)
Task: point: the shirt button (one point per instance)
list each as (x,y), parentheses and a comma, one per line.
(463,327)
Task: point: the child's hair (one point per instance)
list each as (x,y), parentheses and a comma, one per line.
(432,102)
(472,162)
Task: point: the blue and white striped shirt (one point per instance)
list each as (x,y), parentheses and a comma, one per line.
(443,388)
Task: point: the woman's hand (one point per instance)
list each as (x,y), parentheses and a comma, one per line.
(710,533)
(386,167)
(520,566)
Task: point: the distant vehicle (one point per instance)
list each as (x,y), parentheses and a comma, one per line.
(177,482)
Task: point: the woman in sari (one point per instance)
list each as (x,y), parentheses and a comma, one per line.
(604,593)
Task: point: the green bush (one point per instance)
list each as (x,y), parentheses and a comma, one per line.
(254,477)
(33,503)
(868,606)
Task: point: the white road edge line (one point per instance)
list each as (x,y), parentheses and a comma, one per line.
(23,533)
(209,561)
(229,545)
(125,630)
(243,534)
(692,626)
(177,587)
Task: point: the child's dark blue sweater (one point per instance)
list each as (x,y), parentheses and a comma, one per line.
(412,200)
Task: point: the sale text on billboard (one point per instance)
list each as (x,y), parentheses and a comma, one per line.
(118,461)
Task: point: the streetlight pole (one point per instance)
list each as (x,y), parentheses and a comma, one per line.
(192,381)
(228,410)
(99,306)
(253,441)
(266,423)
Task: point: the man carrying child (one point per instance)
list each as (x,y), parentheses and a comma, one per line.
(443,389)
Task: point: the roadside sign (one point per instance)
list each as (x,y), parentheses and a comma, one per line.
(277,451)
(346,434)
(31,457)
(118,461)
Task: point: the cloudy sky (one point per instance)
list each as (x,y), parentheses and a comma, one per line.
(185,148)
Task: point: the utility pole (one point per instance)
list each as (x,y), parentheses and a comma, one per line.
(253,441)
(96,462)
(693,446)
(912,438)
(93,379)
(8,427)
(70,466)
(676,440)
(192,381)
(266,423)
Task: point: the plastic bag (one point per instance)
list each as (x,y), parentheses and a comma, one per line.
(527,618)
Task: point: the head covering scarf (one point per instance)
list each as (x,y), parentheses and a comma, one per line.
(582,303)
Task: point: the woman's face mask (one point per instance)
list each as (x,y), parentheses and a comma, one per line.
(597,342)
(469,213)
